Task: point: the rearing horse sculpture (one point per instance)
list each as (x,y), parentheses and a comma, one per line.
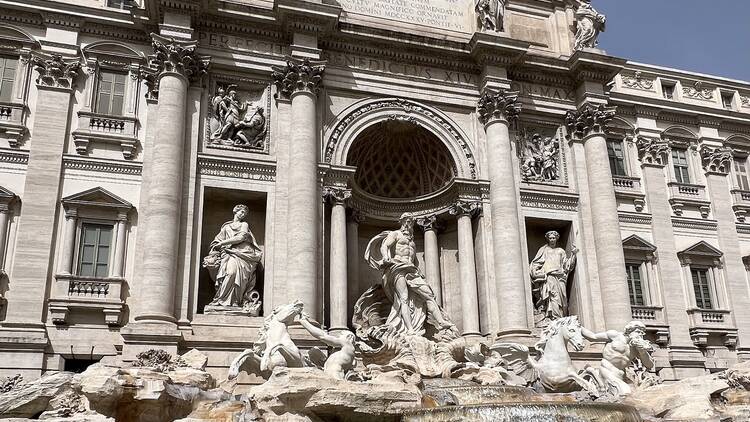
(554,366)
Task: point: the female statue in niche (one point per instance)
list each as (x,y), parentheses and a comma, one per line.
(232,263)
(549,277)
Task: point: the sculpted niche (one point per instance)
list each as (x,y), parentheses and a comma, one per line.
(238,120)
(233,263)
(549,278)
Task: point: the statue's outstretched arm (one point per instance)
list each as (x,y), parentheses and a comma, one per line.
(592,336)
(319,333)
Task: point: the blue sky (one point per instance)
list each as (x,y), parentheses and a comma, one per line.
(705,36)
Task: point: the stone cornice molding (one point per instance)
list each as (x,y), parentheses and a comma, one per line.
(307,17)
(589,66)
(549,200)
(62,20)
(708,121)
(492,49)
(299,75)
(260,170)
(716,160)
(177,56)
(652,151)
(589,119)
(646,111)
(499,105)
(56,71)
(336,195)
(470,208)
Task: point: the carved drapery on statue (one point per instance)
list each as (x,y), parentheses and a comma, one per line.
(490,14)
(233,263)
(539,157)
(238,122)
(549,272)
(298,75)
(589,24)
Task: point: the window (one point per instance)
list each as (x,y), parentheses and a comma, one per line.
(110,93)
(740,173)
(701,288)
(616,158)
(7,76)
(667,89)
(726,100)
(680,163)
(93,254)
(635,284)
(121,4)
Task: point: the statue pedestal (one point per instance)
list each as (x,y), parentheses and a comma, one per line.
(247,311)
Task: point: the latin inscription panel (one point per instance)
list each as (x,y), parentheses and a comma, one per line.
(452,15)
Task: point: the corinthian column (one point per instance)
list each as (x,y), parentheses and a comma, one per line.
(300,81)
(496,110)
(338,258)
(467,267)
(174,65)
(587,125)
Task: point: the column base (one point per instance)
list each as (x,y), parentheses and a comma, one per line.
(138,337)
(22,350)
(338,330)
(472,335)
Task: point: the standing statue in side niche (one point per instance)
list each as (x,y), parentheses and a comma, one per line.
(622,350)
(340,362)
(549,277)
(490,14)
(274,347)
(232,263)
(589,24)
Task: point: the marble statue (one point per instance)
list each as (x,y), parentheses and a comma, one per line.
(413,305)
(622,349)
(233,263)
(540,158)
(549,277)
(274,346)
(589,24)
(554,366)
(236,123)
(491,14)
(340,362)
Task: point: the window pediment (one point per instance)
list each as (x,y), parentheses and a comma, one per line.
(16,38)
(635,243)
(97,198)
(701,252)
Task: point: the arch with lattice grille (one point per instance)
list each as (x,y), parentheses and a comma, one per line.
(357,118)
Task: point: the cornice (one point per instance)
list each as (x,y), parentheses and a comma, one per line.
(14,157)
(593,67)
(634,218)
(549,200)
(21,17)
(493,49)
(265,30)
(264,171)
(119,33)
(306,16)
(694,223)
(527,73)
(102,166)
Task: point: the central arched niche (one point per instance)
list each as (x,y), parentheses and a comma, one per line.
(399,159)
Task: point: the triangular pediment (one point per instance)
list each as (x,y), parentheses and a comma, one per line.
(637,244)
(96,197)
(6,195)
(701,249)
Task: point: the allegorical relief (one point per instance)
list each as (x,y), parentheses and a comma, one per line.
(238,119)
(540,157)
(233,264)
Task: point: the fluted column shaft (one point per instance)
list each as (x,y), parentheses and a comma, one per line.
(300,81)
(4,215)
(587,125)
(354,289)
(432,255)
(495,110)
(338,259)
(162,224)
(467,269)
(69,239)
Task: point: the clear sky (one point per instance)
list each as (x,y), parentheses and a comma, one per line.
(705,36)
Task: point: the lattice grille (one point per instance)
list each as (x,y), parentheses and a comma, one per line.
(400,160)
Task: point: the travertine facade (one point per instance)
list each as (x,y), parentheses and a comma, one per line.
(130,129)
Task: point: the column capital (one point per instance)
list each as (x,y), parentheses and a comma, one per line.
(589,119)
(71,212)
(428,223)
(356,216)
(461,208)
(56,71)
(299,75)
(122,216)
(716,160)
(652,151)
(176,56)
(336,195)
(498,105)
(4,208)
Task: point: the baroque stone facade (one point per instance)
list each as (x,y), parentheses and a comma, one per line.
(129,131)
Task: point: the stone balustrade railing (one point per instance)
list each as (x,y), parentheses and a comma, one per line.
(705,323)
(627,183)
(646,313)
(94,127)
(88,288)
(72,292)
(13,122)
(687,190)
